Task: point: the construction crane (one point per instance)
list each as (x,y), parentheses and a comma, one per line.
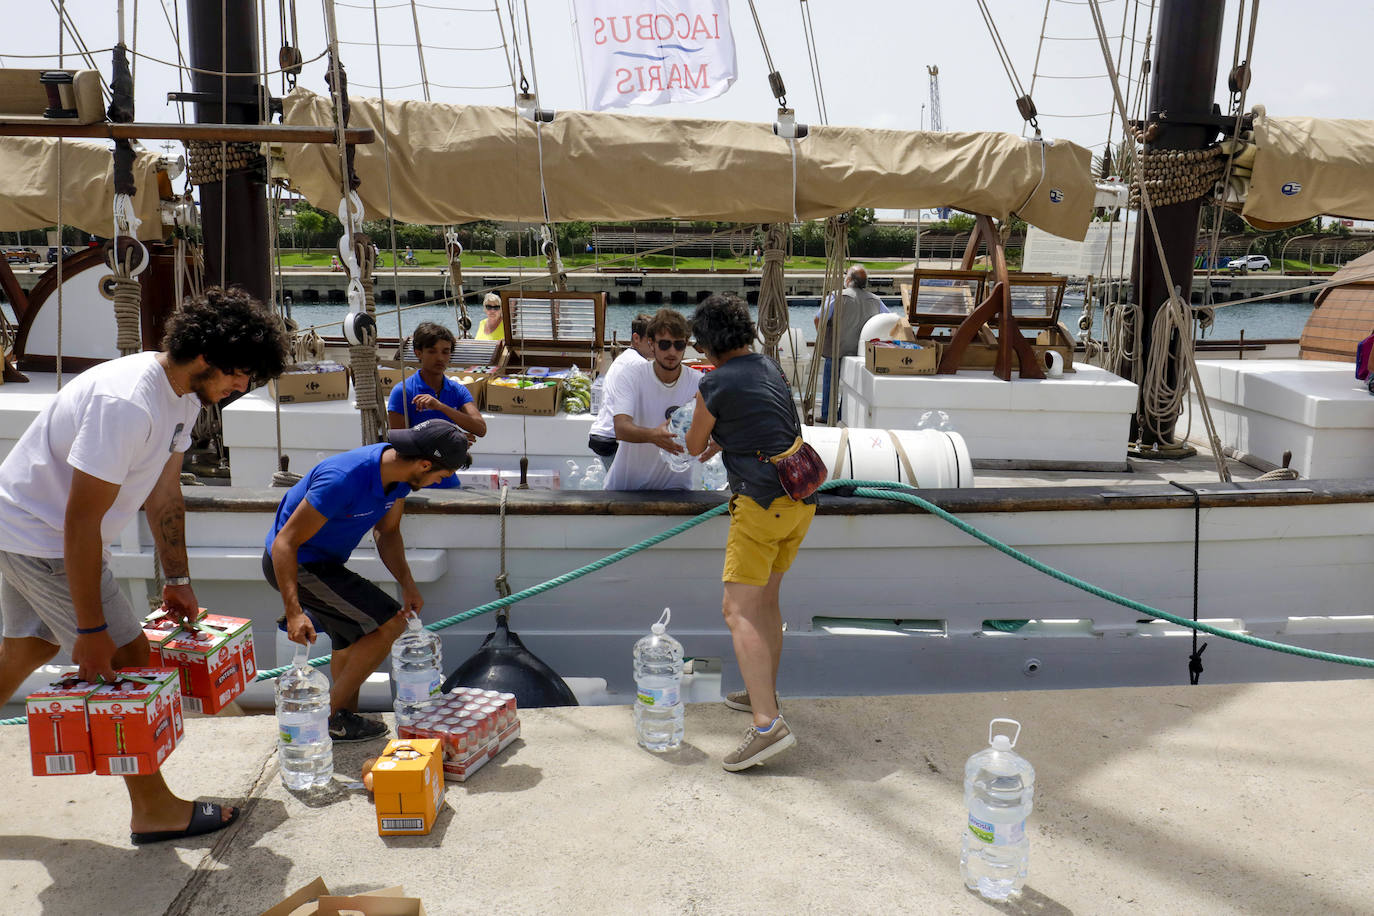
(936,124)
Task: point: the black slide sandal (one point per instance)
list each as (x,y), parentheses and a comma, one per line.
(206,817)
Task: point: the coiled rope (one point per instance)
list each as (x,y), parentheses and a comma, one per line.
(869,489)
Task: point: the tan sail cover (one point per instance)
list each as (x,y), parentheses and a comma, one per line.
(28,186)
(1306,167)
(458,163)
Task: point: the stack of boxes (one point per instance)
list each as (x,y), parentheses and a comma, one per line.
(471,725)
(121,729)
(215,659)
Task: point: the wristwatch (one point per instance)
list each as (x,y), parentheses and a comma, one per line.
(177,580)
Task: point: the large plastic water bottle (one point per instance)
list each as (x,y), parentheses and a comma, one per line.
(678,423)
(658,688)
(998,786)
(416,672)
(713,474)
(594,476)
(305,751)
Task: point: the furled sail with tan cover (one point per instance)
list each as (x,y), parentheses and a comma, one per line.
(28,186)
(1306,167)
(457,163)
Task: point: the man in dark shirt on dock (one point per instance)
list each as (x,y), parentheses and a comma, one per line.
(840,336)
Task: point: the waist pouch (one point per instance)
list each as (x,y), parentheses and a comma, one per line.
(800,469)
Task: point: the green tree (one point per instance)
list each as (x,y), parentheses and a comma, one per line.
(309,224)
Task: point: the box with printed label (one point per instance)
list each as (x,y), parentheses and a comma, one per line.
(135,724)
(59,735)
(304,383)
(208,659)
(504,396)
(890,357)
(535,478)
(408,786)
(240,633)
(479,479)
(391,372)
(158,627)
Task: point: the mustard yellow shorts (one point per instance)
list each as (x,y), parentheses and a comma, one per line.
(764,541)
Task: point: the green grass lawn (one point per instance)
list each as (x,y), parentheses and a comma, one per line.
(1290,264)
(482,260)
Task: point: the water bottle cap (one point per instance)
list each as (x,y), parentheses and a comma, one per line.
(1001,743)
(658,629)
(661,627)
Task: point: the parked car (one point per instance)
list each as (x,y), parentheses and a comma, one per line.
(1249,262)
(52,252)
(21,256)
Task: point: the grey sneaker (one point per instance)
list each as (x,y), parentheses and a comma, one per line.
(739,699)
(347,726)
(759,746)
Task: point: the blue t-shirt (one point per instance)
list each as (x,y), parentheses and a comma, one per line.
(452,394)
(347,490)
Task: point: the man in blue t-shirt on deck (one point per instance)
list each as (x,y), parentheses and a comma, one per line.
(431,395)
(319,524)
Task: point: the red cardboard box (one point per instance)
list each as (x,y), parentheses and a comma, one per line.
(135,724)
(59,735)
(209,659)
(158,627)
(240,632)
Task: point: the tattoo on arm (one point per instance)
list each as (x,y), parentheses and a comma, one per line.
(169,530)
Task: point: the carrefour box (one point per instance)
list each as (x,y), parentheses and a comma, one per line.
(390,373)
(136,722)
(408,786)
(210,664)
(476,384)
(535,479)
(59,734)
(542,401)
(158,627)
(303,383)
(479,478)
(897,357)
(240,632)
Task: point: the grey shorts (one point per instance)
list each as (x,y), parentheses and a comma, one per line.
(36,601)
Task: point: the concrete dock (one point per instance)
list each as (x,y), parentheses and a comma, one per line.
(1212,799)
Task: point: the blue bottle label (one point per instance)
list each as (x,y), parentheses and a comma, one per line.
(997,834)
(313,730)
(659,696)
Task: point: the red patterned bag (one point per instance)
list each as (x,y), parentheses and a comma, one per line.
(800,469)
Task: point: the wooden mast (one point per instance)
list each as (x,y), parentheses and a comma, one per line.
(1181,115)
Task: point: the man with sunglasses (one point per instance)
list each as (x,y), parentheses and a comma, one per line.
(641,404)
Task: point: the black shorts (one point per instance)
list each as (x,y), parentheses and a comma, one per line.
(603,446)
(337,600)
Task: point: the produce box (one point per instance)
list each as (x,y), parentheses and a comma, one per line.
(408,786)
(59,733)
(476,384)
(519,395)
(135,722)
(899,357)
(390,373)
(304,383)
(209,660)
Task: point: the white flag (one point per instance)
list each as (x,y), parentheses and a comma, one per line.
(648,52)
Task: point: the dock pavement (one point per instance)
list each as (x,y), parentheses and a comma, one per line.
(1244,799)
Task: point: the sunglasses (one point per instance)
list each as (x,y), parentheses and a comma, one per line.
(492,308)
(667,344)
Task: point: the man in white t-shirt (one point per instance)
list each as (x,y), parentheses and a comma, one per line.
(643,401)
(602,441)
(111,442)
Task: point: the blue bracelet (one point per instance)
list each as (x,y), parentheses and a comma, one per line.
(87,631)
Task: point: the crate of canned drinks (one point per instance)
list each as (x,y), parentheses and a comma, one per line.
(472,725)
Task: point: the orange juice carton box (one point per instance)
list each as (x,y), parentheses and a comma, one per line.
(158,627)
(136,721)
(408,786)
(240,631)
(59,735)
(209,659)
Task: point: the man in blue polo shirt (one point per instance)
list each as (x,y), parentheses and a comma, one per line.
(431,395)
(318,525)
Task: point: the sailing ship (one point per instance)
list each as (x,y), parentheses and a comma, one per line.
(885,600)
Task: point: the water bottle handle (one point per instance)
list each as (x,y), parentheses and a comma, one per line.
(1014,737)
(302,655)
(667,615)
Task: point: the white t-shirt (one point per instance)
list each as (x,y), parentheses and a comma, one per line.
(605,420)
(119,421)
(647,401)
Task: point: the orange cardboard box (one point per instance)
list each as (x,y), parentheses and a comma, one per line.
(158,627)
(408,786)
(209,659)
(240,631)
(135,724)
(59,736)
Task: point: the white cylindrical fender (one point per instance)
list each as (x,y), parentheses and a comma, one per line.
(938,459)
(879,325)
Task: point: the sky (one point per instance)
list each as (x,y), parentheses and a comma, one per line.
(872,56)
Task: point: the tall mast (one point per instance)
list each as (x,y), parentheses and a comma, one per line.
(1183,116)
(239,228)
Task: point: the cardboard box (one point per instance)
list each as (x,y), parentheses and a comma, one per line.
(477,387)
(158,627)
(479,479)
(536,478)
(240,632)
(209,661)
(893,358)
(390,373)
(59,733)
(408,786)
(315,900)
(538,402)
(135,724)
(306,383)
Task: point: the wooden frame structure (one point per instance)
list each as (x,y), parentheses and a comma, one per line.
(554,327)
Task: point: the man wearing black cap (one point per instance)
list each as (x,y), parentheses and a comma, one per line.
(320,522)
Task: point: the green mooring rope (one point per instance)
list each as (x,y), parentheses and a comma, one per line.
(871,489)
